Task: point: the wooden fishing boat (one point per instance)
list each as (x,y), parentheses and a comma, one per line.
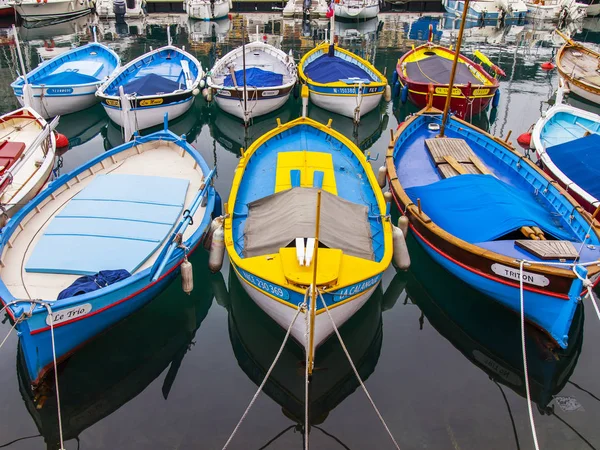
(252,80)
(273,252)
(454,189)
(483,10)
(207,9)
(33,10)
(340,81)
(488,335)
(566,141)
(356,9)
(27,149)
(163,81)
(124,220)
(68,82)
(579,67)
(428,67)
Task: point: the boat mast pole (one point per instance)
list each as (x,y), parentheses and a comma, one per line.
(244,73)
(453,73)
(313,292)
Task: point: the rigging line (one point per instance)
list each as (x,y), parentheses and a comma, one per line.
(512,419)
(332,437)
(20,439)
(281,433)
(574,431)
(584,390)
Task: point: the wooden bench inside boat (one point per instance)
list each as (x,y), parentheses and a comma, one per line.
(549,249)
(454,157)
(9,153)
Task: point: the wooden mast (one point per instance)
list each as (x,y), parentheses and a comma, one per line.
(453,73)
(313,292)
(244,73)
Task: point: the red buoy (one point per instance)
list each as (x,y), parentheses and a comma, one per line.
(548,65)
(524,140)
(61,140)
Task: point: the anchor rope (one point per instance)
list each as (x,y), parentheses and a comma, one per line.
(23,317)
(301,307)
(306,378)
(335,329)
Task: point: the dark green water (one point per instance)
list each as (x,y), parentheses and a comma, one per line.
(442,362)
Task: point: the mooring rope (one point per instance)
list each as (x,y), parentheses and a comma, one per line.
(301,306)
(24,316)
(335,329)
(306,378)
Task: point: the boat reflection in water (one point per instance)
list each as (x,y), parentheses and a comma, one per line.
(488,334)
(256,338)
(82,126)
(118,365)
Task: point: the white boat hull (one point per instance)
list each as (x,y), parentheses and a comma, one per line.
(151,116)
(257,108)
(52,9)
(590,96)
(551,12)
(105,9)
(202,10)
(283,314)
(345,105)
(53,103)
(350,11)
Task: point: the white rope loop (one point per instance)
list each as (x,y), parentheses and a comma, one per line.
(335,329)
(268,374)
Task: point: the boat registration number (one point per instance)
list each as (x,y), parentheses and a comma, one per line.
(344,91)
(110,102)
(514,274)
(264,285)
(270,93)
(69,313)
(444,91)
(479,92)
(151,102)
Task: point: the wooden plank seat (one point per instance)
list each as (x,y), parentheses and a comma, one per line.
(454,157)
(549,249)
(9,153)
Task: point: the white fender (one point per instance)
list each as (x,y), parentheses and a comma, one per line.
(401,256)
(382,177)
(216,223)
(403,225)
(217,250)
(187,277)
(387,94)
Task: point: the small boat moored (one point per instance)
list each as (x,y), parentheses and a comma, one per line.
(340,81)
(101,241)
(488,9)
(162,81)
(252,80)
(356,9)
(68,82)
(207,9)
(34,10)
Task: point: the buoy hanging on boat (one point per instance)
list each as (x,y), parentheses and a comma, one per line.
(387,94)
(549,65)
(496,99)
(195,92)
(382,176)
(187,276)
(61,140)
(216,223)
(202,83)
(404,94)
(217,250)
(401,256)
(524,140)
(403,225)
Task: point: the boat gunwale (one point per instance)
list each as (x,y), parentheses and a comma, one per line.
(20,81)
(339,84)
(6,295)
(100,93)
(239,171)
(424,221)
(561,70)
(547,160)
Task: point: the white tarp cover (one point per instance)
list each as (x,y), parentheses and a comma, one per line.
(275,221)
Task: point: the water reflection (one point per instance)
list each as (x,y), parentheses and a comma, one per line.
(118,365)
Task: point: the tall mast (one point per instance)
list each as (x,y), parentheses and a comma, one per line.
(244,73)
(453,73)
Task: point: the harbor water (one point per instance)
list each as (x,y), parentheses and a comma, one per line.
(442,363)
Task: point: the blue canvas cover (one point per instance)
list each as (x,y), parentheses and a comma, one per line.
(327,69)
(480,208)
(66,79)
(90,283)
(151,84)
(255,77)
(578,159)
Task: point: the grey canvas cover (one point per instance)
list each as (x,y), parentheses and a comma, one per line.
(275,221)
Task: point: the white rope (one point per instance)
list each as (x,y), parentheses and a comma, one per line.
(525,373)
(260,388)
(306,379)
(356,371)
(588,285)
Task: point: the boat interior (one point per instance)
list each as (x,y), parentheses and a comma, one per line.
(274,213)
(467,182)
(88,64)
(17,133)
(114,215)
(581,65)
(433,64)
(265,67)
(162,72)
(321,67)
(564,127)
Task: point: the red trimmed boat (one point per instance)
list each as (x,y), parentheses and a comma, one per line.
(428,67)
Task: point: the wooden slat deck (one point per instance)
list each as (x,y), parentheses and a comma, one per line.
(454,157)
(549,249)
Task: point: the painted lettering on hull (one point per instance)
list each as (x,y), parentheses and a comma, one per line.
(514,274)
